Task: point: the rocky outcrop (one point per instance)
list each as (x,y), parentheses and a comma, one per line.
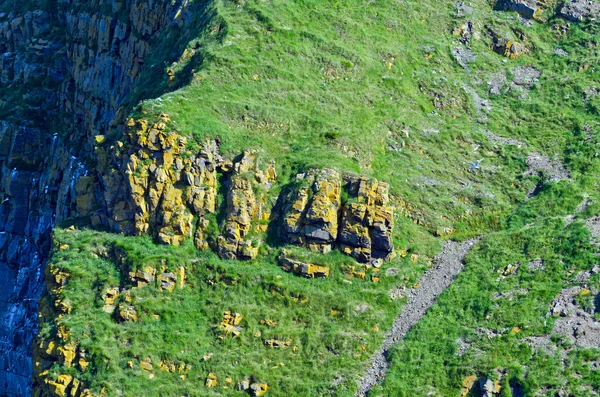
(312,217)
(153,184)
(245,209)
(317,219)
(579,10)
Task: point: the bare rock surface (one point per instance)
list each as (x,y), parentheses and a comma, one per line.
(448,265)
(577,324)
(579,10)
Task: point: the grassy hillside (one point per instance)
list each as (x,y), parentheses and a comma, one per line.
(370,88)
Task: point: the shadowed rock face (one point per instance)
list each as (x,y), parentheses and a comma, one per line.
(80,65)
(362,228)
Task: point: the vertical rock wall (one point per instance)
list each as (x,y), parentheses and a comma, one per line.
(66,70)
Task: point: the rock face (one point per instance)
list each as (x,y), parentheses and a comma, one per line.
(244,208)
(89,67)
(153,184)
(361,227)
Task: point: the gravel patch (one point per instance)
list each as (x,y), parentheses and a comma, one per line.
(496,139)
(579,326)
(535,265)
(496,83)
(463,56)
(594,225)
(579,10)
(525,76)
(552,170)
(448,264)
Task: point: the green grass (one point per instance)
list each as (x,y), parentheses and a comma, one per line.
(329,345)
(469,305)
(368,88)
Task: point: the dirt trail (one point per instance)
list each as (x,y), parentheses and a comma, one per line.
(448,264)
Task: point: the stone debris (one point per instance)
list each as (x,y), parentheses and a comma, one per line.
(579,10)
(525,76)
(307,270)
(552,170)
(579,325)
(535,265)
(448,264)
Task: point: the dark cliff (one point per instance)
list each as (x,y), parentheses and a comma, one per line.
(66,70)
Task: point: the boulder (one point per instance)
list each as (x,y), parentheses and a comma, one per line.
(127,313)
(258,389)
(167,281)
(307,270)
(526,8)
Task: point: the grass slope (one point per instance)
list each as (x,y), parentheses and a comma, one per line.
(369,88)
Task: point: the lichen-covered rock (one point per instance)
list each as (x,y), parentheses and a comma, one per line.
(300,268)
(244,208)
(127,313)
(361,228)
(231,324)
(67,354)
(143,277)
(164,184)
(313,221)
(258,389)
(278,343)
(167,281)
(59,386)
(110,298)
(241,211)
(212,380)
